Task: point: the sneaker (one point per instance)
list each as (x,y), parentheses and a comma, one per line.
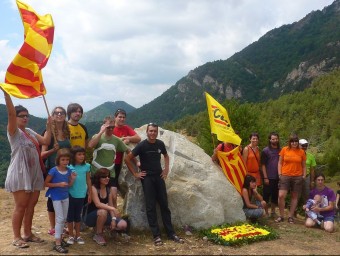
(70,240)
(99,239)
(51,231)
(80,240)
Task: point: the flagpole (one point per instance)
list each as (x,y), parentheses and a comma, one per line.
(48,115)
(213,140)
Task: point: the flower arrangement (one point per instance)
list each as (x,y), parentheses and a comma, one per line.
(238,234)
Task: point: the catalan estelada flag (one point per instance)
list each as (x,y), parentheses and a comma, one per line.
(23,77)
(220,123)
(233,167)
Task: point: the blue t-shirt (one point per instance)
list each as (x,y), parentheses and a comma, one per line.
(58,193)
(79,187)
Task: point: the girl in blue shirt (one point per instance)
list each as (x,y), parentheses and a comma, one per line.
(59,179)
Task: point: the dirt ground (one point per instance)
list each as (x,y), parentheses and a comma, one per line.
(294,239)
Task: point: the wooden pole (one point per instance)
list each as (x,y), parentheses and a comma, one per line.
(48,115)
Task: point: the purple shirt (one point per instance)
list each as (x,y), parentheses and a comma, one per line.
(270,158)
(327,195)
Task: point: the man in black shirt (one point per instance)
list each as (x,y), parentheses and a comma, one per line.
(152,177)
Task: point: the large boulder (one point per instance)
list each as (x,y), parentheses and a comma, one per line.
(199,194)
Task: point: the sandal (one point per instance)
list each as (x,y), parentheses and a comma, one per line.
(290,220)
(20,244)
(34,239)
(279,219)
(177,239)
(158,241)
(60,249)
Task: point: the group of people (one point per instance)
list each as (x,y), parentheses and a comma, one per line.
(281,171)
(56,159)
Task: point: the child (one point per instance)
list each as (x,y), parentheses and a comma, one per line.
(58,180)
(310,213)
(254,206)
(77,193)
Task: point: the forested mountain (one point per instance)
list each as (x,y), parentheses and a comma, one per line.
(313,114)
(284,60)
(263,88)
(106,109)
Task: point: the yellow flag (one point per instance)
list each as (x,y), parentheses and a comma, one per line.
(24,77)
(233,167)
(220,123)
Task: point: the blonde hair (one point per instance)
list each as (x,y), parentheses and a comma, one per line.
(65,128)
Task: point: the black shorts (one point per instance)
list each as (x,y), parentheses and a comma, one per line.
(50,207)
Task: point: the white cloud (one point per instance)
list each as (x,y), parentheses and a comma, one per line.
(134,50)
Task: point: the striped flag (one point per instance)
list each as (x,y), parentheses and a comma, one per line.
(220,123)
(23,77)
(233,167)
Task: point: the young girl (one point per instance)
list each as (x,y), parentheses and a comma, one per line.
(77,193)
(59,179)
(49,152)
(254,206)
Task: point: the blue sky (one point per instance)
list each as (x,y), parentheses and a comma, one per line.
(132,50)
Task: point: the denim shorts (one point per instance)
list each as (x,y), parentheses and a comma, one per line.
(254,213)
(91,219)
(330,218)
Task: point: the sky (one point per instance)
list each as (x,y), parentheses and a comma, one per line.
(134,50)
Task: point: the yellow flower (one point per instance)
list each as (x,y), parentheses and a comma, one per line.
(239,232)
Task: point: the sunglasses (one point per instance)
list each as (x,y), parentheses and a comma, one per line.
(105,177)
(292,141)
(152,124)
(23,116)
(120,111)
(57,113)
(110,127)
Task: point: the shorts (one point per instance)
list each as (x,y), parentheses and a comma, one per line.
(91,219)
(74,209)
(292,183)
(50,207)
(253,213)
(330,218)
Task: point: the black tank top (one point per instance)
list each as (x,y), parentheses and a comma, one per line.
(105,200)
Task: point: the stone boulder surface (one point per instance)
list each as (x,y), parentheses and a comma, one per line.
(199,194)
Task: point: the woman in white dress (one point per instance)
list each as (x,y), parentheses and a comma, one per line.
(25,172)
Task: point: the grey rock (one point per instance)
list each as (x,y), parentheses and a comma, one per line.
(199,194)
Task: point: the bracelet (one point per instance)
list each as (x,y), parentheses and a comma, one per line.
(114,218)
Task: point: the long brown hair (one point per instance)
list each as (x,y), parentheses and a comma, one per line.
(65,129)
(292,137)
(100,173)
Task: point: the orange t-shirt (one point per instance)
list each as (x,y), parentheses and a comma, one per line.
(253,165)
(292,161)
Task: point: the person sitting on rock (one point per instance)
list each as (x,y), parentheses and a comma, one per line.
(254,206)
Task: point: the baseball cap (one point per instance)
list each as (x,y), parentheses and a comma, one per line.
(303,141)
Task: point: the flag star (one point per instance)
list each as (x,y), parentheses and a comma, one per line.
(231,157)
